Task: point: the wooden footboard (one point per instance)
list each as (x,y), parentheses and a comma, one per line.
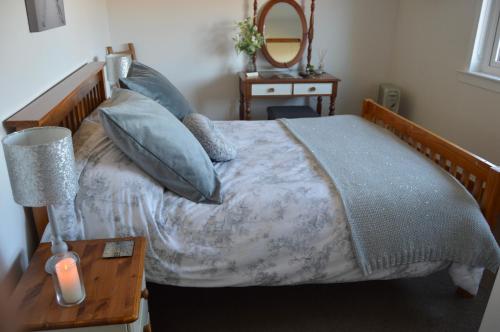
(479,176)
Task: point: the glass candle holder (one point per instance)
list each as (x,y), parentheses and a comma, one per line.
(68,280)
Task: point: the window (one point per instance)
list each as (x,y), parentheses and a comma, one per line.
(495,59)
(486,56)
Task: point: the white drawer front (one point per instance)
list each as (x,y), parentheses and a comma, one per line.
(313,89)
(271,89)
(138,326)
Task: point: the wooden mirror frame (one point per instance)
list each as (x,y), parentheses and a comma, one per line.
(305,33)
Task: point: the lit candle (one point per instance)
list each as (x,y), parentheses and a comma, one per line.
(69,280)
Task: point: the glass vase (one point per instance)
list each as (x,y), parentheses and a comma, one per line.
(251,67)
(68,280)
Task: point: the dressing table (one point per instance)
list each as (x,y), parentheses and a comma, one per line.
(284,27)
(320,86)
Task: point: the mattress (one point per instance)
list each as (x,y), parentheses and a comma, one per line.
(282,221)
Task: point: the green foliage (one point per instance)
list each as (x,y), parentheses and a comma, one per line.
(249,40)
(310,69)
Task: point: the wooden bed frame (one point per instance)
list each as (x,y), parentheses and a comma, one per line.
(71,100)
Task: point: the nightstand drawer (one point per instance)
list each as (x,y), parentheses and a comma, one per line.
(313,89)
(271,89)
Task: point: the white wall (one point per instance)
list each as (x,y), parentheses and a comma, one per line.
(190,41)
(30,64)
(491,322)
(433,42)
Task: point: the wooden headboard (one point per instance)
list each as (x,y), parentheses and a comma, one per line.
(64,105)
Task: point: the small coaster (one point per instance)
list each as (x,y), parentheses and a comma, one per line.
(118,249)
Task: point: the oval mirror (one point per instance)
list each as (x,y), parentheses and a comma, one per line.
(284,27)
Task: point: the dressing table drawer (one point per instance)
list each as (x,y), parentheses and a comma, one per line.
(271,89)
(315,89)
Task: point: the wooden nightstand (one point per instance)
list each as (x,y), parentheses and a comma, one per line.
(116,292)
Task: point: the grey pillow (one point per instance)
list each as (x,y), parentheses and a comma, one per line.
(161,145)
(213,141)
(152,84)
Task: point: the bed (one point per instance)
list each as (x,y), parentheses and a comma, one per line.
(291,230)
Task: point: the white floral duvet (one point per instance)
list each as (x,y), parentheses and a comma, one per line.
(281,223)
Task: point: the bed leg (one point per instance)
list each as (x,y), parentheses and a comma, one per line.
(462,293)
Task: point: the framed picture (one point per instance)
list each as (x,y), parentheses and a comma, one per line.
(45,14)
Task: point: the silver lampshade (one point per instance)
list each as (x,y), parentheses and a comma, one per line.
(41,166)
(117,66)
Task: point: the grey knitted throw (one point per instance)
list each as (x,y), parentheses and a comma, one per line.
(401,207)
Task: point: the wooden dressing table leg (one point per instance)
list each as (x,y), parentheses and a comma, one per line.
(248,110)
(242,106)
(332,106)
(333,100)
(319,108)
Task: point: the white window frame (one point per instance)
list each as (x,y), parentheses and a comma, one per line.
(495,56)
(486,55)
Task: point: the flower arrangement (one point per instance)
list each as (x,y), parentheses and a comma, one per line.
(249,40)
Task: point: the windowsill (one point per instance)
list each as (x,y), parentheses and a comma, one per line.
(480,80)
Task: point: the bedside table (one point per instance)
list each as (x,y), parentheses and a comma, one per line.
(116,292)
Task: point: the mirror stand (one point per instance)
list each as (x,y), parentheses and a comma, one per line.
(310,31)
(286,85)
(255,13)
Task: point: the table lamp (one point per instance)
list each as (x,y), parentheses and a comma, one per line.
(41,167)
(117,66)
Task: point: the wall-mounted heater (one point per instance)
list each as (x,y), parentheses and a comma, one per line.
(389,96)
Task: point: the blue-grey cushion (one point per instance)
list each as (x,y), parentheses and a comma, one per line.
(152,84)
(216,145)
(161,145)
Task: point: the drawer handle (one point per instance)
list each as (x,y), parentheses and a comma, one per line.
(145,294)
(312,89)
(271,90)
